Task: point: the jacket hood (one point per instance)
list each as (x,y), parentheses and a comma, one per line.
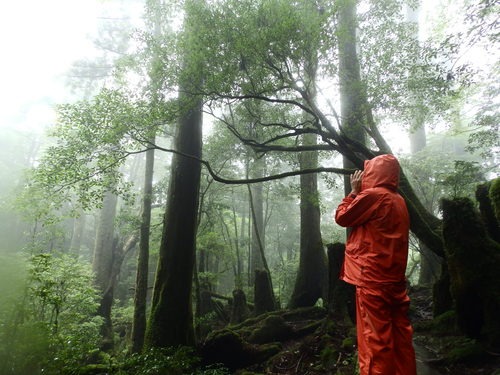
(381,171)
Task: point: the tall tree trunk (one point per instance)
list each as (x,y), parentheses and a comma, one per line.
(258,228)
(351,87)
(141,283)
(171,315)
(103,264)
(311,282)
(171,321)
(76,238)
(268,289)
(238,266)
(430,264)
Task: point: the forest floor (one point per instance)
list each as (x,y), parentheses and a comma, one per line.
(330,349)
(440,349)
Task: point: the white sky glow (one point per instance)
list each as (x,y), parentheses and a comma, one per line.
(39,41)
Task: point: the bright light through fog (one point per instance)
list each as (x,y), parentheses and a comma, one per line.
(40,39)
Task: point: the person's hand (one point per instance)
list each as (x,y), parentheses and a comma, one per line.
(356,178)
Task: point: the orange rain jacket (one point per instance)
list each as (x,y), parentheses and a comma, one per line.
(377,247)
(375,261)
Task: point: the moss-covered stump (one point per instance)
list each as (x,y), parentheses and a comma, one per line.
(228,348)
(473,263)
(257,339)
(487,210)
(341,295)
(494,194)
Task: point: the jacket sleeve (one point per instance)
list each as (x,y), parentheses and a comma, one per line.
(352,212)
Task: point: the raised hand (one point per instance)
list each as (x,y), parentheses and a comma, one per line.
(356,178)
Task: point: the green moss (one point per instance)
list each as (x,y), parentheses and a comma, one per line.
(308,329)
(266,351)
(329,356)
(467,352)
(274,328)
(314,312)
(253,321)
(93,369)
(494,194)
(348,343)
(442,324)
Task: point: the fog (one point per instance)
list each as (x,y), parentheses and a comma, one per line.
(88,85)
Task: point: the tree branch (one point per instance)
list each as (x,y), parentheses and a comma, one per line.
(253,180)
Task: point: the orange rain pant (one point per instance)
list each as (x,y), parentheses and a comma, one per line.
(384,331)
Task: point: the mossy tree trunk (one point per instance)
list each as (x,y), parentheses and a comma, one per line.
(484,194)
(141,281)
(473,264)
(171,319)
(442,301)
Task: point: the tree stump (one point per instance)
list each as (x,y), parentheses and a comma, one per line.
(341,295)
(473,263)
(240,310)
(487,210)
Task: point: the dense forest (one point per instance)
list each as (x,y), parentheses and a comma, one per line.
(177,215)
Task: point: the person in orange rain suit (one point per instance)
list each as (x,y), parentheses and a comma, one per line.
(375,262)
